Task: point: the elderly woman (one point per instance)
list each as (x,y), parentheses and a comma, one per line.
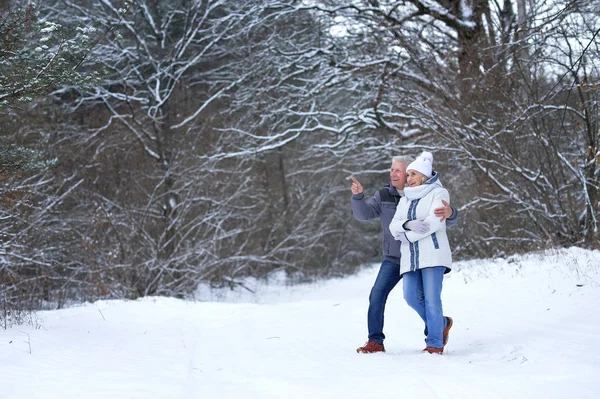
(425,254)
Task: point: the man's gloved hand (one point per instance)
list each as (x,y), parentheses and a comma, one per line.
(418,226)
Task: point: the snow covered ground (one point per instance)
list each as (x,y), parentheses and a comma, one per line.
(525,327)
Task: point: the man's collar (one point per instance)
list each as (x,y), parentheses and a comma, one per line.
(400,192)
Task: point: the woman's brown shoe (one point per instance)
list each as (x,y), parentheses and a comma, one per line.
(446,332)
(432,349)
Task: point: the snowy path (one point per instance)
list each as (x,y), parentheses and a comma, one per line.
(523,329)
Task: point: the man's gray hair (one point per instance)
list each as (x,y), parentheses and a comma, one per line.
(403,158)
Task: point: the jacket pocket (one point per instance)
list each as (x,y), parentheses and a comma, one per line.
(436,244)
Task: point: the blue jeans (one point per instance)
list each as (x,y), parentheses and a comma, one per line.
(423,293)
(387,278)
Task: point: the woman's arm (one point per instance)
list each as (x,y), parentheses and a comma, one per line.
(434,221)
(397,223)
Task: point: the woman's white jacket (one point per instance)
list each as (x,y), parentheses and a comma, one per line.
(428,249)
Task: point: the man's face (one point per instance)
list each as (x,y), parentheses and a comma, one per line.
(398,175)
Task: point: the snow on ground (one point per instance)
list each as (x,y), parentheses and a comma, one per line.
(525,327)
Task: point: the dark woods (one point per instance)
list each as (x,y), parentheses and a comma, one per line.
(149,146)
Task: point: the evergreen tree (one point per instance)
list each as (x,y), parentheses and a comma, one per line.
(37,56)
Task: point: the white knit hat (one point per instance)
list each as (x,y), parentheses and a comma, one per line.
(423,164)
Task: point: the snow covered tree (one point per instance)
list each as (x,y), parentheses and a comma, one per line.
(195,116)
(475,81)
(37,56)
(218,142)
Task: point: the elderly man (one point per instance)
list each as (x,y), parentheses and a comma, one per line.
(382,205)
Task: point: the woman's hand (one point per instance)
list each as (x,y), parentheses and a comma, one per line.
(402,238)
(418,226)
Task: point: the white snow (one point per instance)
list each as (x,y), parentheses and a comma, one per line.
(466,10)
(525,327)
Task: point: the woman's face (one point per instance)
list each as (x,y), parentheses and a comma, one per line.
(414,178)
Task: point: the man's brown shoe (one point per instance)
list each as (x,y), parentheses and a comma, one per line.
(371,347)
(432,349)
(446,332)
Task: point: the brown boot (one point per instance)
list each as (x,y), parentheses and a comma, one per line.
(432,349)
(446,332)
(370,347)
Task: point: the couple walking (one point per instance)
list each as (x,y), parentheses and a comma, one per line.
(414,211)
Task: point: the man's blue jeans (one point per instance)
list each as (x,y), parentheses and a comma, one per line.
(423,293)
(387,278)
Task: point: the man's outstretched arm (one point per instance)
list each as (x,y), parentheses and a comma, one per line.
(361,208)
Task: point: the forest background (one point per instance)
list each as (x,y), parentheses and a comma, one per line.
(148,147)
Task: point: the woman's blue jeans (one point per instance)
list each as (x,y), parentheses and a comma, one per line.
(387,278)
(423,293)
